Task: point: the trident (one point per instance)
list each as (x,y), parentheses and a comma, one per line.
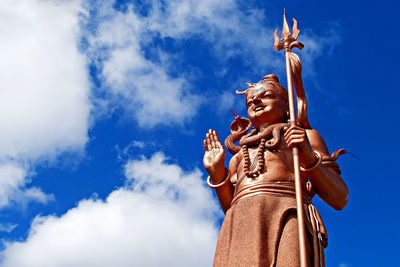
(287,42)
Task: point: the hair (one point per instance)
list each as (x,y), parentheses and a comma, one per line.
(268,81)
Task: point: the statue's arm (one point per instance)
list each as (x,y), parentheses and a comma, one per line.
(213,161)
(326,182)
(225,193)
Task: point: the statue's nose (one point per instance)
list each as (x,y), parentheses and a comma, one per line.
(257,100)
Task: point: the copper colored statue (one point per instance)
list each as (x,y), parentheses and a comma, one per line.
(258,193)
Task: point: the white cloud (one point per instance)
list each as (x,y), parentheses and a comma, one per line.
(227,101)
(7,227)
(231,29)
(164,216)
(318,45)
(13,180)
(44,100)
(127,151)
(143,87)
(138,144)
(146,85)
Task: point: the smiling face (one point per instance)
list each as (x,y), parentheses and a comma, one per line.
(267,104)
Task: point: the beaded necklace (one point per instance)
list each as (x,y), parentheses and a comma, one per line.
(260,160)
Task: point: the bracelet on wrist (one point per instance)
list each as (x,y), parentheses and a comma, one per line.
(226,180)
(319,160)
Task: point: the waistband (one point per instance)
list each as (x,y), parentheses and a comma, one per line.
(282,189)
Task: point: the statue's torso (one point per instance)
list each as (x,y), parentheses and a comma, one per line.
(278,167)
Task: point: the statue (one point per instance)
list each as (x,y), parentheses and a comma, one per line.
(277,160)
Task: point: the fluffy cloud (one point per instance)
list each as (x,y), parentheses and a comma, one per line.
(44,100)
(146,86)
(44,103)
(164,216)
(224,24)
(139,74)
(13,179)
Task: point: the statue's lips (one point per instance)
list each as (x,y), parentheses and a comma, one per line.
(259,108)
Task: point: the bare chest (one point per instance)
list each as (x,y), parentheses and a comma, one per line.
(277,165)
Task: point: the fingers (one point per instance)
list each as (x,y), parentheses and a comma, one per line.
(212,137)
(293,130)
(294,140)
(207,143)
(294,135)
(211,141)
(217,142)
(215,135)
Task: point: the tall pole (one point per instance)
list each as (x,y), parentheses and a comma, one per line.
(287,40)
(296,167)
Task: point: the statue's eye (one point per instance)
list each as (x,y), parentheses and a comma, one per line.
(268,94)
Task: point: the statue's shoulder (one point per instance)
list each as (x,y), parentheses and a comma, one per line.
(313,133)
(238,156)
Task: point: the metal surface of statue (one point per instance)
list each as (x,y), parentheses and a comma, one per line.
(280,164)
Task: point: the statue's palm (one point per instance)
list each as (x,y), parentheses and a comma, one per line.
(214,152)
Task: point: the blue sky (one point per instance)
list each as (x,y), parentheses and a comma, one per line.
(104,106)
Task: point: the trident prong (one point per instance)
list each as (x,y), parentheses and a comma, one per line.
(287,38)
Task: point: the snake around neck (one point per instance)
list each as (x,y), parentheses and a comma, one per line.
(240,126)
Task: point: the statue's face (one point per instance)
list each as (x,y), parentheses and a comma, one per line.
(265,104)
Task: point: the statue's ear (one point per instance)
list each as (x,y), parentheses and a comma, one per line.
(239,124)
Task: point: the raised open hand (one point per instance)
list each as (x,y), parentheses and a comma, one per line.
(214,155)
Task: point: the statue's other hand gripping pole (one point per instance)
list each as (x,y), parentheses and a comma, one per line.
(287,42)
